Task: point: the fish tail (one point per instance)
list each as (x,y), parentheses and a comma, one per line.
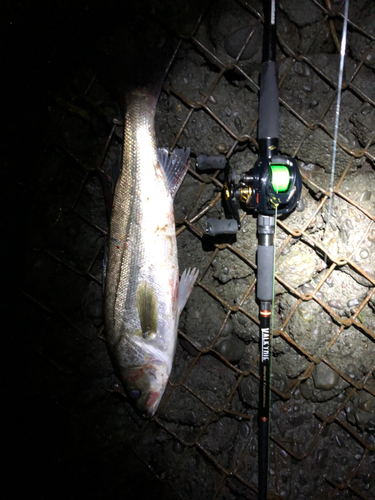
(139,62)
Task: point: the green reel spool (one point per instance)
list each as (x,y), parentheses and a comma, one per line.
(280,178)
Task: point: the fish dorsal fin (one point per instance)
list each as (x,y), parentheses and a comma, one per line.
(147,309)
(186,286)
(175,166)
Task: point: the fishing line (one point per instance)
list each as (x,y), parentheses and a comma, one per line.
(337,115)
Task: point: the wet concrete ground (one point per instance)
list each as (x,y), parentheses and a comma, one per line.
(70,431)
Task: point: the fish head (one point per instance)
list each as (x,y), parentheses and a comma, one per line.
(145,384)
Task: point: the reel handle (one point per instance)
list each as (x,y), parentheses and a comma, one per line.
(221,226)
(217,162)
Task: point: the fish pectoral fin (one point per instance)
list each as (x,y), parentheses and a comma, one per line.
(138,333)
(186,286)
(147,309)
(175,166)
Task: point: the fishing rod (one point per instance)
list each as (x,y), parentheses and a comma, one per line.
(270,188)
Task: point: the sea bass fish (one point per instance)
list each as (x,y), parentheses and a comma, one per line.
(143,294)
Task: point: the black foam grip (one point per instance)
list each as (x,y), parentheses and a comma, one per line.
(265,272)
(268,102)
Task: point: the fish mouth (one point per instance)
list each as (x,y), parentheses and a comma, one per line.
(145,386)
(152,402)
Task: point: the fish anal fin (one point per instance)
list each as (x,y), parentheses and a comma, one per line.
(187,281)
(147,309)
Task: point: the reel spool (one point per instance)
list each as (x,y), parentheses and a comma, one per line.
(280,178)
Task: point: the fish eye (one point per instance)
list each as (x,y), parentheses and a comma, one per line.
(134,394)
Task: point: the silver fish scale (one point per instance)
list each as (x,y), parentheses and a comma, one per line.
(142,246)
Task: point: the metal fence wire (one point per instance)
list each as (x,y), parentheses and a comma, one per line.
(202,442)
